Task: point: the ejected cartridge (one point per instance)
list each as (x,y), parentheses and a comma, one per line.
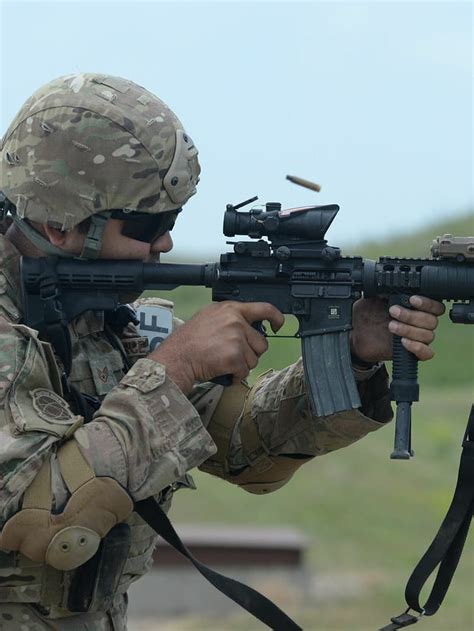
(306,183)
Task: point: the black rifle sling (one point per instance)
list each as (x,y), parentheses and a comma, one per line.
(446,548)
(247,597)
(55,324)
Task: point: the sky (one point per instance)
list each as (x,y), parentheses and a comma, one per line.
(372,100)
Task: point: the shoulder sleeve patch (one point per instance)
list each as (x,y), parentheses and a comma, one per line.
(51,407)
(31,403)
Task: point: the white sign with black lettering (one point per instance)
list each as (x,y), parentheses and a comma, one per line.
(155,323)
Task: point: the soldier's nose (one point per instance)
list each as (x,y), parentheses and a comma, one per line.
(164,243)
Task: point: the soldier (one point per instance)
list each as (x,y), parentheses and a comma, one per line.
(97,167)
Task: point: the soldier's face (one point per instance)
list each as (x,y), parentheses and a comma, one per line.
(117,246)
(114,244)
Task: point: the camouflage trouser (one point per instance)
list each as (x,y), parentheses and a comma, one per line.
(25,617)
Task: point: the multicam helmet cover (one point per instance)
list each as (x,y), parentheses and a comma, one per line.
(88,143)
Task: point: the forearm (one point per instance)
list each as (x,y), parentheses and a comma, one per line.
(146,433)
(280,409)
(253,427)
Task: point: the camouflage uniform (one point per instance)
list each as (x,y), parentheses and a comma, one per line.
(146,434)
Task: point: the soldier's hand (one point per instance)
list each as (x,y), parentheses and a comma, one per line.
(374,323)
(218,340)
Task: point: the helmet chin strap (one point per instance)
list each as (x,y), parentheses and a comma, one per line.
(92,242)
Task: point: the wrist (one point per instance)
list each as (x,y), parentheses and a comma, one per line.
(178,371)
(364,370)
(362,364)
(359,346)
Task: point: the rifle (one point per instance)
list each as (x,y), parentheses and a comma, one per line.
(288,263)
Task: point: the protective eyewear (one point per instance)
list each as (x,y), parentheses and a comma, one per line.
(145,227)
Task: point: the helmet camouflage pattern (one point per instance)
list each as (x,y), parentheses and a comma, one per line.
(87,143)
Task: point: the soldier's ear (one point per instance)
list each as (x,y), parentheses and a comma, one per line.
(68,240)
(56,237)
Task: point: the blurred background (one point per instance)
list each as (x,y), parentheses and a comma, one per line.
(373,100)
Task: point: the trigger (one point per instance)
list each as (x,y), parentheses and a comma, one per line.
(260,327)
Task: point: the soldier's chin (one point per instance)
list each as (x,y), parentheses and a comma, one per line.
(126,299)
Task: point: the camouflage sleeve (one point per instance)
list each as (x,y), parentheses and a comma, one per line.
(145,435)
(33,417)
(157,434)
(279,407)
(266,432)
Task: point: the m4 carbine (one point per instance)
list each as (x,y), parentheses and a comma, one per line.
(289,264)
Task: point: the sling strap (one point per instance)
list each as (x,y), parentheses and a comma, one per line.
(245,596)
(446,548)
(55,326)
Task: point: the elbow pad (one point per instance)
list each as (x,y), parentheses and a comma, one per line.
(265,473)
(70,538)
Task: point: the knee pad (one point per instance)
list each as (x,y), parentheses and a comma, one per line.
(68,539)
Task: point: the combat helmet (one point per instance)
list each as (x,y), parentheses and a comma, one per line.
(90,145)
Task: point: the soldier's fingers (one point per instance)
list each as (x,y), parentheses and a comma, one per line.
(251,358)
(422,351)
(420,319)
(411,332)
(258,311)
(428,304)
(257,341)
(248,361)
